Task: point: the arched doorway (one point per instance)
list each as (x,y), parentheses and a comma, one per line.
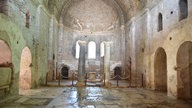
(160,69)
(184,71)
(65,72)
(6,69)
(117,72)
(25,69)
(5,55)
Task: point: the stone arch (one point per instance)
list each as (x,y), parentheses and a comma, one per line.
(183,9)
(160,70)
(25,69)
(184,71)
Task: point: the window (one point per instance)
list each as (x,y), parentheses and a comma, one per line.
(160,22)
(183,9)
(4,7)
(102,49)
(91,50)
(27,19)
(77,50)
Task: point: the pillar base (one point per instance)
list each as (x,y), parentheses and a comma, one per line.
(80,84)
(108,84)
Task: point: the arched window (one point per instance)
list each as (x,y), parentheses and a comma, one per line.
(77,50)
(102,49)
(91,50)
(183,9)
(160,22)
(27,23)
(4,6)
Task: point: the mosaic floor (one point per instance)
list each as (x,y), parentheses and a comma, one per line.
(92,97)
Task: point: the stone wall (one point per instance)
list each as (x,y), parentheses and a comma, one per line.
(142,32)
(17,35)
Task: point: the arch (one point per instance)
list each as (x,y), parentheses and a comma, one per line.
(91,50)
(25,69)
(77,50)
(183,9)
(65,72)
(102,49)
(184,71)
(121,12)
(160,22)
(160,70)
(5,55)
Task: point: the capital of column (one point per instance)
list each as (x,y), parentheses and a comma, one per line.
(82,42)
(107,43)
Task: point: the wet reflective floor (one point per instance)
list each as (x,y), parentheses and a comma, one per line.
(93,97)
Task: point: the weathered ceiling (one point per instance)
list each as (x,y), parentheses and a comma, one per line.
(128,7)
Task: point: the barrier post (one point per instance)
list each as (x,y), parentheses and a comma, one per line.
(104,79)
(46,79)
(142,80)
(86,79)
(59,79)
(72,79)
(118,81)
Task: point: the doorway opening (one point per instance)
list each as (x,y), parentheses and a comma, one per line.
(160,69)
(184,71)
(65,72)
(25,70)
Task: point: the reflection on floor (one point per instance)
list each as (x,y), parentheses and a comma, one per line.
(92,97)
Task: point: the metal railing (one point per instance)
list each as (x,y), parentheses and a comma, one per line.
(118,78)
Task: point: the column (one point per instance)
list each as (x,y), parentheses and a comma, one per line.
(107,63)
(81,65)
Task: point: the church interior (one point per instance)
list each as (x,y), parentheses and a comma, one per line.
(95,53)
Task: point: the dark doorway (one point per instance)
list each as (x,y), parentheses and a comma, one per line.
(65,72)
(184,71)
(117,72)
(160,68)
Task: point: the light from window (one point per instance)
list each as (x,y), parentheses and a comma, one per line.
(91,50)
(102,50)
(77,50)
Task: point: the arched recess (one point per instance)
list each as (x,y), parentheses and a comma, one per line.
(183,9)
(65,72)
(160,70)
(25,69)
(184,71)
(5,53)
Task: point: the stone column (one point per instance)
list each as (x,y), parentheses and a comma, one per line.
(81,65)
(107,63)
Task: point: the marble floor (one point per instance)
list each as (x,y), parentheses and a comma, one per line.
(92,97)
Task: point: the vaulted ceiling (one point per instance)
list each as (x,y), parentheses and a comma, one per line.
(128,7)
